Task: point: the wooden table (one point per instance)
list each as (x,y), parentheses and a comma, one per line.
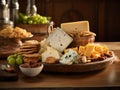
(109,77)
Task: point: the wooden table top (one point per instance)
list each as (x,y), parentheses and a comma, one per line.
(109,77)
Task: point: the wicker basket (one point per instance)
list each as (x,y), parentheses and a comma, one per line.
(82,40)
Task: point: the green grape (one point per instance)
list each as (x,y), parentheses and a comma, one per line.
(34,19)
(30,22)
(19,61)
(9,57)
(44,22)
(44,18)
(11,61)
(25,17)
(41,17)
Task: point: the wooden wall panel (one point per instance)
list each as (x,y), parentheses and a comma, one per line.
(112,31)
(101,19)
(74,10)
(89,11)
(103,15)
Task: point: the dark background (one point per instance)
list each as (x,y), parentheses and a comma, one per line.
(103,15)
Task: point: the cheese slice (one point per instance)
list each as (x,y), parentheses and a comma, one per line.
(74,27)
(59,39)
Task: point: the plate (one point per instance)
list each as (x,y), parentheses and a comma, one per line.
(93,66)
(6,75)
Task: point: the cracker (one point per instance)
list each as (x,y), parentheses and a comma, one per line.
(31,55)
(29,49)
(28,52)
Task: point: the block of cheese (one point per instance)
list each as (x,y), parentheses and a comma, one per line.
(59,39)
(50,52)
(89,50)
(73,27)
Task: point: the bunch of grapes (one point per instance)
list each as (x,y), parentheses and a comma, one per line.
(15,59)
(34,19)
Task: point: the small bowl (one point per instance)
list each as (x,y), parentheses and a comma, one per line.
(31,71)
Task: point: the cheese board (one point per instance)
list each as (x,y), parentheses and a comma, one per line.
(92,66)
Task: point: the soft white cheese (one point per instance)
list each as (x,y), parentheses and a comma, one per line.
(50,52)
(43,46)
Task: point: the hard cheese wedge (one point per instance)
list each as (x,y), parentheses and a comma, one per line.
(73,27)
(59,39)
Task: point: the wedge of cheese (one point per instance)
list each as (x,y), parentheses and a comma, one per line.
(74,27)
(59,39)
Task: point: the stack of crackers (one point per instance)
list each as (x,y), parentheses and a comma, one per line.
(30,50)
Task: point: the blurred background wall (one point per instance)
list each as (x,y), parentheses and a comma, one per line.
(103,15)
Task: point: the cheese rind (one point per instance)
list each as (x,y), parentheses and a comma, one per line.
(59,39)
(73,27)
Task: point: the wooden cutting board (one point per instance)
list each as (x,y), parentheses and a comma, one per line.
(8,76)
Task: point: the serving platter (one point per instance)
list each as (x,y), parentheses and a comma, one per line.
(92,66)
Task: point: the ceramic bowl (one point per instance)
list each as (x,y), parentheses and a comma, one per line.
(31,71)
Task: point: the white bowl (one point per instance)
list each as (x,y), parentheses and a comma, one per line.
(31,72)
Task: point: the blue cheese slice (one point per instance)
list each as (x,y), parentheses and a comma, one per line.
(69,58)
(59,39)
